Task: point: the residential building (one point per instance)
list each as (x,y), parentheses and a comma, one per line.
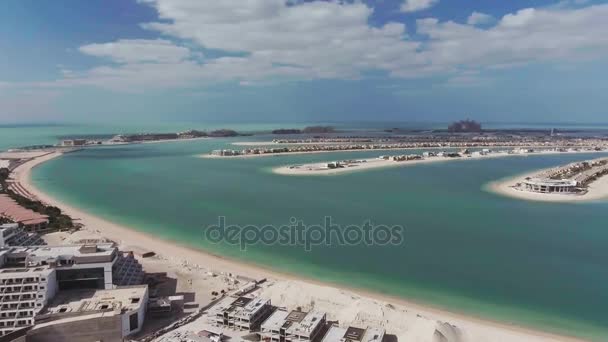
(354,334)
(242,313)
(28,219)
(294,326)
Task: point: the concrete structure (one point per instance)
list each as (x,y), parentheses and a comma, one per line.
(30,220)
(243,313)
(74,142)
(13,235)
(31,276)
(23,293)
(92,315)
(294,326)
(353,334)
(545,185)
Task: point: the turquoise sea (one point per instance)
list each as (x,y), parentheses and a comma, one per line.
(541,265)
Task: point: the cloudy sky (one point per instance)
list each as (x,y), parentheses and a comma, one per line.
(297,60)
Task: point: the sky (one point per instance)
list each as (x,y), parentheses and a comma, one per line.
(303,61)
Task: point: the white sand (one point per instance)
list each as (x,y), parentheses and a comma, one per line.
(597,190)
(408,320)
(374,163)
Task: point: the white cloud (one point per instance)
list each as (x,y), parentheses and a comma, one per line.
(138,50)
(478,18)
(417,5)
(527,36)
(268,40)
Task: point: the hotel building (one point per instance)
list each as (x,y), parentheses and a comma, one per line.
(31,276)
(546,185)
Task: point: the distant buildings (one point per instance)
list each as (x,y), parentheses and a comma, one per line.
(545,185)
(30,220)
(73,142)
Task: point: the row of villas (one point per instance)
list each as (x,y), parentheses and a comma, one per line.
(279,325)
(28,219)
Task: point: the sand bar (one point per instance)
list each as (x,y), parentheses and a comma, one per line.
(408,320)
(321,169)
(596,191)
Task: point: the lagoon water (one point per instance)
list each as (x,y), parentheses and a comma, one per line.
(541,265)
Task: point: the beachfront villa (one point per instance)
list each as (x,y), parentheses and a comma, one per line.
(243,313)
(30,220)
(294,326)
(547,185)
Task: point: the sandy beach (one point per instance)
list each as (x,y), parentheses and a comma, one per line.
(597,190)
(321,169)
(408,320)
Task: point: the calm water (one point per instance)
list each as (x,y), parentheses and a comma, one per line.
(537,264)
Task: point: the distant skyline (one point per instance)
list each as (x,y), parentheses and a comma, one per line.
(303,61)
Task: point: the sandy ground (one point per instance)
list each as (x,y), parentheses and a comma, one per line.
(597,191)
(374,163)
(409,321)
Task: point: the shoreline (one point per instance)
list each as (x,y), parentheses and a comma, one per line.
(596,191)
(173,254)
(444,148)
(320,169)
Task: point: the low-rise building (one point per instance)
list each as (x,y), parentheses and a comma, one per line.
(546,185)
(282,326)
(242,313)
(354,334)
(28,219)
(73,142)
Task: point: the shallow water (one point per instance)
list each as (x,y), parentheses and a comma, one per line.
(538,264)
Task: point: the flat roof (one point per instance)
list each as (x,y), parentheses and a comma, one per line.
(252,306)
(66,251)
(23,271)
(275,321)
(88,301)
(551,182)
(307,324)
(340,334)
(10,208)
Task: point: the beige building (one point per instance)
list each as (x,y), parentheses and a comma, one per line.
(31,276)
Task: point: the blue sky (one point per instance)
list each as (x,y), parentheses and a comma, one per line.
(294,60)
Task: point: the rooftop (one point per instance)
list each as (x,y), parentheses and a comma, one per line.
(126,298)
(338,334)
(307,323)
(25,271)
(276,320)
(11,209)
(551,182)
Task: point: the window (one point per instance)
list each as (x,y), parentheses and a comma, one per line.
(133,322)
